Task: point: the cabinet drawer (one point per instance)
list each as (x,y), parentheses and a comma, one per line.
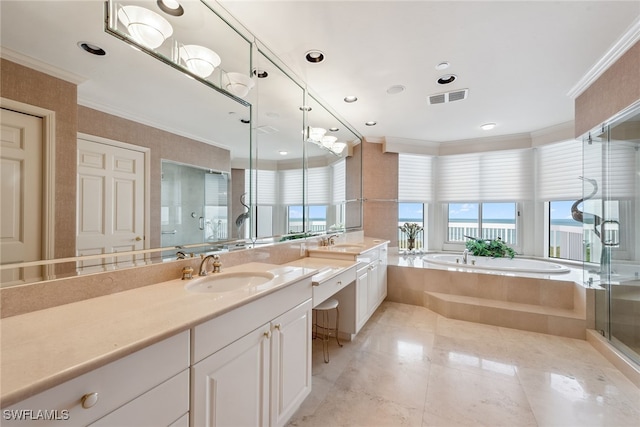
(221,331)
(160,406)
(329,287)
(116,384)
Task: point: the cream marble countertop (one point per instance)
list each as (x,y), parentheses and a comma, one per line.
(48,347)
(344,247)
(326,268)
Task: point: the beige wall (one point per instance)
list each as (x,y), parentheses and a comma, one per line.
(380,190)
(31,87)
(614,90)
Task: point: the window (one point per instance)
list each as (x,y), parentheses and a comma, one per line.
(316,218)
(411,212)
(482,220)
(565,233)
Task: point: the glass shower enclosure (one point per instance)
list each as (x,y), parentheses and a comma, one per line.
(611,228)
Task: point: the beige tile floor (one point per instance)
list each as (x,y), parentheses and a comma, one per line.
(412,367)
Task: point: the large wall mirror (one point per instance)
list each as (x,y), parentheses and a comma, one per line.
(104,101)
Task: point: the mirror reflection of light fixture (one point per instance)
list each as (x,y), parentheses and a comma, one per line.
(339,147)
(144,26)
(200,60)
(239,84)
(328,141)
(316,135)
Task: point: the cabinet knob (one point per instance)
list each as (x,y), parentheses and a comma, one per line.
(267,334)
(138,238)
(89,399)
(339,283)
(277,326)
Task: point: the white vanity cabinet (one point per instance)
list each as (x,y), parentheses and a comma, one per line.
(147,388)
(252,365)
(359,302)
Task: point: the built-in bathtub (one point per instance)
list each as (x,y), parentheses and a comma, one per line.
(514,265)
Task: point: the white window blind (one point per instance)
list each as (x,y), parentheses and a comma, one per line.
(490,177)
(339,182)
(415,178)
(318,186)
(559,167)
(291,187)
(620,160)
(264,185)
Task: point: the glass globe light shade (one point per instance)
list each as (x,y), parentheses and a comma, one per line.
(144,26)
(200,60)
(239,84)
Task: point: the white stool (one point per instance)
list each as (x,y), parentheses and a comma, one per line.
(322,311)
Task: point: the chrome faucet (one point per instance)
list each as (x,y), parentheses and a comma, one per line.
(203,265)
(465,255)
(332,239)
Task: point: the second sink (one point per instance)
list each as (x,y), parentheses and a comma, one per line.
(227,282)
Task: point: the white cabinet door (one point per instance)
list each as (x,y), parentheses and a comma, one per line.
(231,387)
(290,362)
(373,292)
(362,290)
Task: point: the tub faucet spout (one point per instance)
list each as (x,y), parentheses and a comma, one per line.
(465,256)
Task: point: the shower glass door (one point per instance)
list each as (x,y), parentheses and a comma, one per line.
(612,158)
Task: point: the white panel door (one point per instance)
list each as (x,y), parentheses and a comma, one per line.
(110,216)
(21,195)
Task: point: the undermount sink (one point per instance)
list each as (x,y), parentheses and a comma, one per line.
(227,282)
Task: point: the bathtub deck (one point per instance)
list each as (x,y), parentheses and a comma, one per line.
(556,307)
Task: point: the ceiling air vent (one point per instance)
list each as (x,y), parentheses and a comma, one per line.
(443,98)
(266,130)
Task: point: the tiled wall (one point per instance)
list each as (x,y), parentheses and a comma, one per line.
(380,191)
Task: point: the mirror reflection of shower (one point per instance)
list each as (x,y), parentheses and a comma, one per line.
(194,205)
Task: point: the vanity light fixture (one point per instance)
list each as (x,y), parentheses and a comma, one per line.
(171,7)
(239,84)
(447,78)
(144,26)
(92,48)
(351,98)
(371,123)
(487,126)
(200,60)
(316,135)
(314,56)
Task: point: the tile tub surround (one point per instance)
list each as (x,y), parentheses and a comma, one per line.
(411,366)
(546,305)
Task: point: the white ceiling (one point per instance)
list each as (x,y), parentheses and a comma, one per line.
(519,59)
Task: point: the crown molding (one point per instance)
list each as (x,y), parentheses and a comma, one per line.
(624,42)
(43,67)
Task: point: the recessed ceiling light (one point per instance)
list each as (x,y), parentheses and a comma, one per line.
(261,74)
(245,121)
(334,129)
(305,108)
(446,79)
(371,123)
(442,66)
(488,126)
(170,7)
(395,89)
(350,98)
(283,153)
(92,48)
(314,56)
